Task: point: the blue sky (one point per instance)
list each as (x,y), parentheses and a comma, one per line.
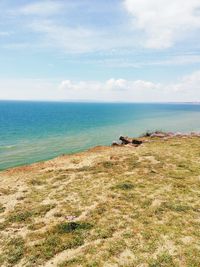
(114,50)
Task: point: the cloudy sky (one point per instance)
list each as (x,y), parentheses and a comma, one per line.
(108,50)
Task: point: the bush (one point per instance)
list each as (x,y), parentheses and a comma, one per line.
(72,226)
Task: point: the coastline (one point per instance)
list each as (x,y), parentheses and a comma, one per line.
(156,136)
(53,160)
(42,131)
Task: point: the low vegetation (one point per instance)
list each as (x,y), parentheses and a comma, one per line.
(111,206)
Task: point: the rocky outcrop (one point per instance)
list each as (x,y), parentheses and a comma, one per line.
(150,136)
(161,134)
(127,141)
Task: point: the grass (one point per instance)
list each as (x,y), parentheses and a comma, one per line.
(2,208)
(71,227)
(23,216)
(13,251)
(119,206)
(164,260)
(60,237)
(124,186)
(18,216)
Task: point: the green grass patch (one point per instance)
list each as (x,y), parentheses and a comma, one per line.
(19,216)
(124,186)
(70,227)
(13,251)
(163,260)
(22,216)
(60,237)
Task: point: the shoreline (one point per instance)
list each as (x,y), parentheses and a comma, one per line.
(65,155)
(148,136)
(45,131)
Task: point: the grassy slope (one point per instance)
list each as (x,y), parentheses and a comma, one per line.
(116,206)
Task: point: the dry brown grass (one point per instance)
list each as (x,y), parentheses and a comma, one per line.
(118,206)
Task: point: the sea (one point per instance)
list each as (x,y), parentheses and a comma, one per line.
(38,131)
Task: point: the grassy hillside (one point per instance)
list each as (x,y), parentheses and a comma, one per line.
(110,206)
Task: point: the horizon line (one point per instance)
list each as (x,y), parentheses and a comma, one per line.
(99,101)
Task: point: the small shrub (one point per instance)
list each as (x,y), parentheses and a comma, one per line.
(70,227)
(124,186)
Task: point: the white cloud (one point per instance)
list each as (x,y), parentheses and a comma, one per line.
(113,85)
(122,84)
(55,24)
(164,21)
(42,8)
(185,89)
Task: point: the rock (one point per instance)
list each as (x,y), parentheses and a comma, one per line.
(130,141)
(160,135)
(195,134)
(170,134)
(125,140)
(136,142)
(178,134)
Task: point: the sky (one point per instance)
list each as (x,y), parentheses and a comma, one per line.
(92,50)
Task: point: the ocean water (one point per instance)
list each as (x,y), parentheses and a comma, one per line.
(35,131)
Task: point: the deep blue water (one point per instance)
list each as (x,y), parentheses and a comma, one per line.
(34,131)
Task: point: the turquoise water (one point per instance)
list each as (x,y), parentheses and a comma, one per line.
(35,131)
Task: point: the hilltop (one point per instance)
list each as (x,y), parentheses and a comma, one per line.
(108,206)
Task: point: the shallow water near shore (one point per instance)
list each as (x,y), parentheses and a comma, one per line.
(35,131)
